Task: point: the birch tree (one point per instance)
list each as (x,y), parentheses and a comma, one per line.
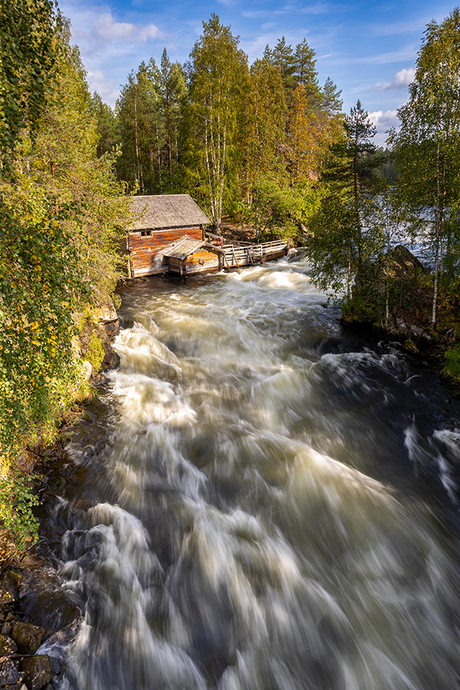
(217,79)
(427,144)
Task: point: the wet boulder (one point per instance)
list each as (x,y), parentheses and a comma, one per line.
(28,637)
(7,646)
(393,296)
(9,674)
(106,313)
(43,601)
(39,670)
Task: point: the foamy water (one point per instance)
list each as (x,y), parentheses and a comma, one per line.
(261,525)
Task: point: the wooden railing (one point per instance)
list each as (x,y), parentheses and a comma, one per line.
(235,255)
(242,253)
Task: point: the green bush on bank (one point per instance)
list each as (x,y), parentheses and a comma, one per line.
(452,363)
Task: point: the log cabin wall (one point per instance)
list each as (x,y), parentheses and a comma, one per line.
(201,261)
(146,247)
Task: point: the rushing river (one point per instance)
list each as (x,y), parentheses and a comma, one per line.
(260,501)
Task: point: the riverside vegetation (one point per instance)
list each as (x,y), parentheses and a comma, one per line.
(263,144)
(60,209)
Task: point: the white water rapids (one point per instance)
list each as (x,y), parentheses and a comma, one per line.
(272,508)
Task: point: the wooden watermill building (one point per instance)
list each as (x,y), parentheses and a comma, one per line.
(168,233)
(159,224)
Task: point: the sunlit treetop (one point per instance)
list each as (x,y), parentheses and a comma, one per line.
(28,44)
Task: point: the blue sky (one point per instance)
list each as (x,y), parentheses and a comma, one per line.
(368,48)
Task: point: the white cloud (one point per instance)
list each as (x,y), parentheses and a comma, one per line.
(196,25)
(106,28)
(401,80)
(406,54)
(105,87)
(151,31)
(383,121)
(255,14)
(294,8)
(99,32)
(402,27)
(316,8)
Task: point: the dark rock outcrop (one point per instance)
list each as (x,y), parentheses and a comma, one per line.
(39,670)
(28,637)
(9,674)
(393,296)
(43,601)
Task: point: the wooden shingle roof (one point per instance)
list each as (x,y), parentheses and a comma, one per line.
(184,248)
(166,211)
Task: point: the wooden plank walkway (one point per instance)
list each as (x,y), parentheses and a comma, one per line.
(235,255)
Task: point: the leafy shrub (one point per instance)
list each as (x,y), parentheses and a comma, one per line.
(452,365)
(95,352)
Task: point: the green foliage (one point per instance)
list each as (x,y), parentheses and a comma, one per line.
(218,79)
(283,57)
(427,144)
(40,280)
(452,363)
(337,246)
(280,211)
(28,30)
(149,115)
(95,352)
(62,160)
(60,211)
(225,133)
(331,244)
(16,509)
(106,125)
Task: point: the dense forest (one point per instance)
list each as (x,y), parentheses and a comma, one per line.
(245,141)
(264,144)
(268,145)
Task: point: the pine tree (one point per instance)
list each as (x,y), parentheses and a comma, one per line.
(173,92)
(359,130)
(331,101)
(283,56)
(337,246)
(142,131)
(306,74)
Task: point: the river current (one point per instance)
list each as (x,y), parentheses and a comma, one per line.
(259,501)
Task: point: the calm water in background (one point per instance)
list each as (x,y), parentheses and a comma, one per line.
(260,501)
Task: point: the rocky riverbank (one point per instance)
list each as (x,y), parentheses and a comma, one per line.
(392,300)
(37,619)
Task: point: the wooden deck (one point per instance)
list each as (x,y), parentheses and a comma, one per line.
(213,254)
(248,254)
